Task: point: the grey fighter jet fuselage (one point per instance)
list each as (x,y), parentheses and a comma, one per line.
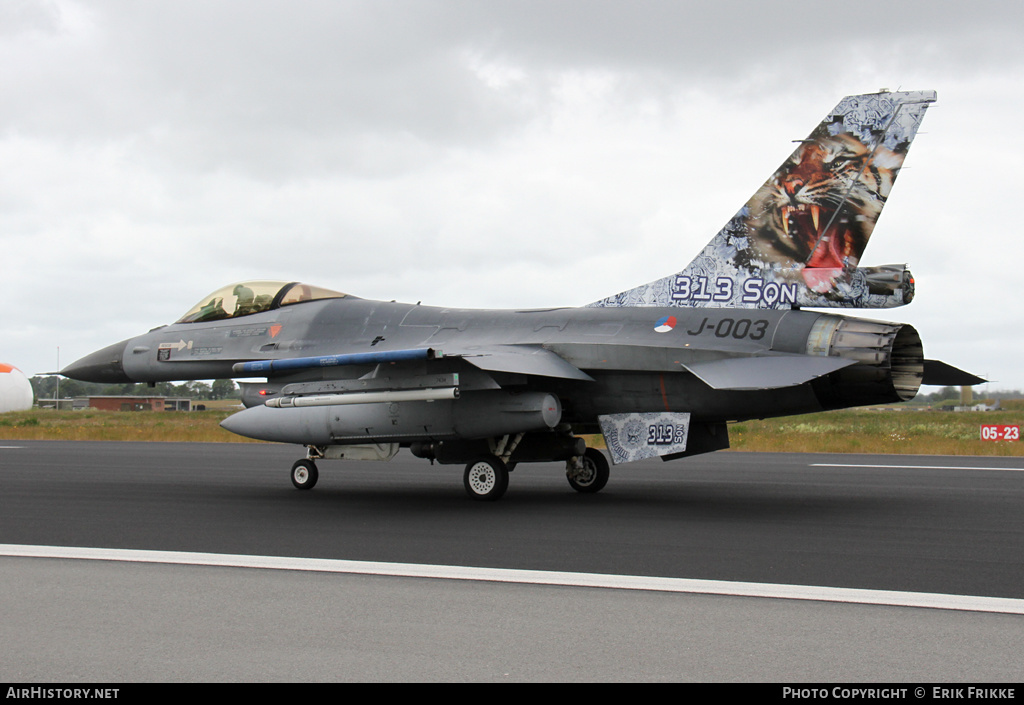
(658,370)
(597,360)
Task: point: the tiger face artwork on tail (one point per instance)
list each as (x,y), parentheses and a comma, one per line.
(819,208)
(799,240)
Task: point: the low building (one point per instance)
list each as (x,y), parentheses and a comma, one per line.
(133,403)
(65,404)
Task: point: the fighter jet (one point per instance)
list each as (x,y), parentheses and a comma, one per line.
(659,370)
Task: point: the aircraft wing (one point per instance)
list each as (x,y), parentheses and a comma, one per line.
(401,382)
(769,372)
(740,373)
(520,359)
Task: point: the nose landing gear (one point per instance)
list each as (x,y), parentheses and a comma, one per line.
(304,474)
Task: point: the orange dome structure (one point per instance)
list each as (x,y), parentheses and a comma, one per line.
(15,389)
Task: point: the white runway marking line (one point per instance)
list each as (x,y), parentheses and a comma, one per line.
(901,467)
(532,577)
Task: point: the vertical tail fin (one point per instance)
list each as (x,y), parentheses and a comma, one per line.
(799,240)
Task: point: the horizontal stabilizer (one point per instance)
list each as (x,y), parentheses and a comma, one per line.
(940,374)
(521,359)
(746,373)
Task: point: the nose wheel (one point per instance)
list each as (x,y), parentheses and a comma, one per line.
(486,478)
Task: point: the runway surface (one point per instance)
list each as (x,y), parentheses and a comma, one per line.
(947,526)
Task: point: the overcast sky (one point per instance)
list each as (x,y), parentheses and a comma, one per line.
(478,154)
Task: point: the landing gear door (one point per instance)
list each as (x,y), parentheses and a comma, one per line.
(631,437)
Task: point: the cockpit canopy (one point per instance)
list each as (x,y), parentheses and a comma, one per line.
(246,298)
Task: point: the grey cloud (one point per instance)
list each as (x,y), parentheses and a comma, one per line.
(259,86)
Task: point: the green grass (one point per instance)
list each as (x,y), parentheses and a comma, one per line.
(903,431)
(95,425)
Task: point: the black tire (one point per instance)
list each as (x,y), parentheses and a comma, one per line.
(486,479)
(304,474)
(594,475)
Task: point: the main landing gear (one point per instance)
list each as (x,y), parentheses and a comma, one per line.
(588,473)
(486,478)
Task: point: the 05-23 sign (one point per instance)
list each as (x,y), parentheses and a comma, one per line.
(995,432)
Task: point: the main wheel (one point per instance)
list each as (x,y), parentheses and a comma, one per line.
(486,479)
(592,475)
(304,474)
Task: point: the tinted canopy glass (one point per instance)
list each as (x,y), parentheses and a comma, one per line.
(246,298)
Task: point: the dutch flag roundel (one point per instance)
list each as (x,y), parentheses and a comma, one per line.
(664,325)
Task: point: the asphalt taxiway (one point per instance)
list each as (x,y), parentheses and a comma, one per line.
(939,526)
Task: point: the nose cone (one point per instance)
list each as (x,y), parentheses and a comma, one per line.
(102,366)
